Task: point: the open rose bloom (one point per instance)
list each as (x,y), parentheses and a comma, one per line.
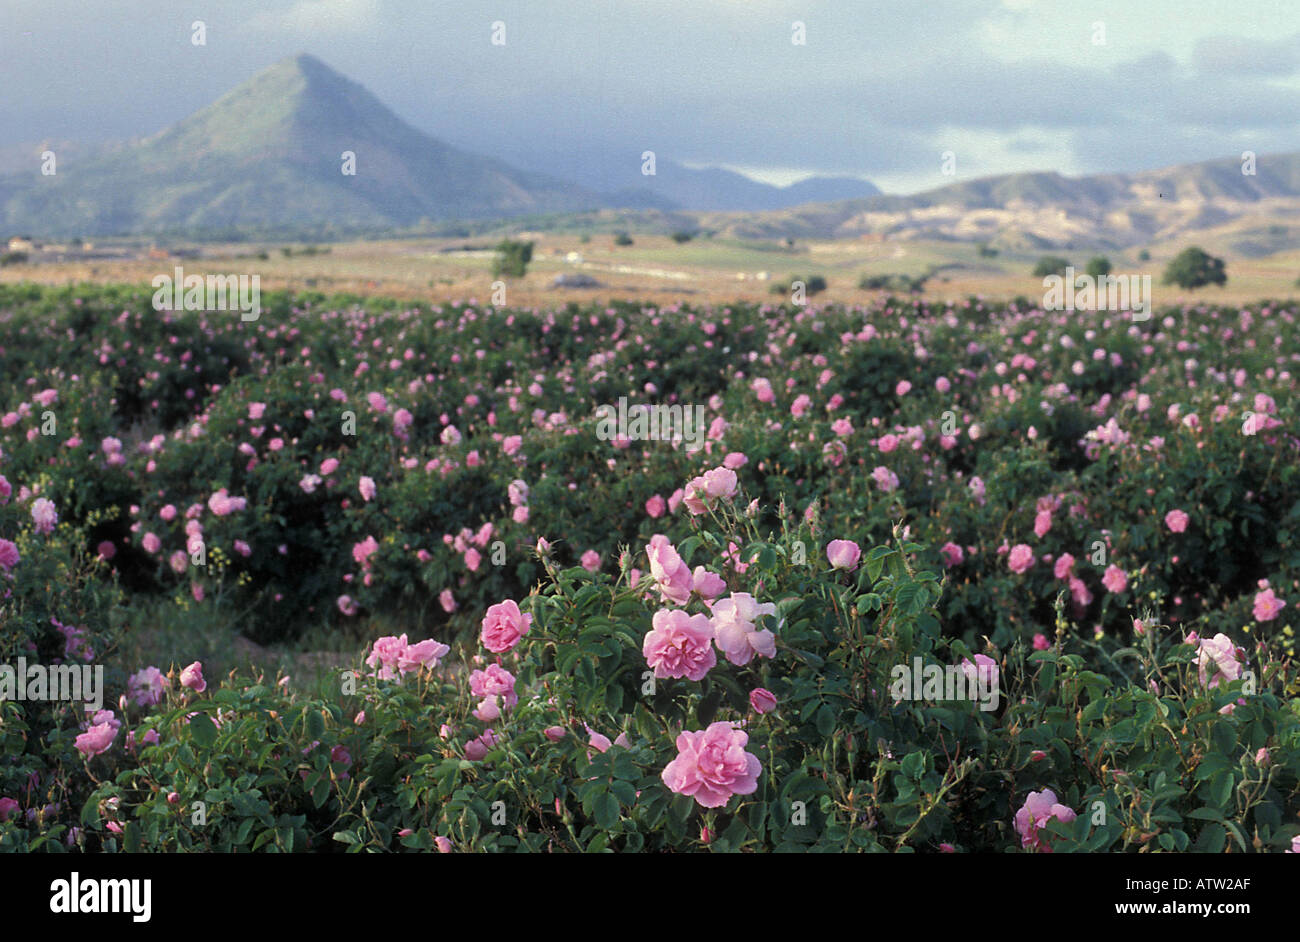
(672,576)
(679,645)
(503,626)
(703,492)
(1039,808)
(712,765)
(736,631)
(1219,660)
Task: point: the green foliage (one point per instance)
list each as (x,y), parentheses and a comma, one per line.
(1050,265)
(1098,267)
(902,284)
(812,284)
(512,258)
(1194,268)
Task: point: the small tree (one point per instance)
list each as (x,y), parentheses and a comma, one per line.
(1144,256)
(1098,266)
(622,238)
(812,284)
(1193,268)
(1051,265)
(682,236)
(512,259)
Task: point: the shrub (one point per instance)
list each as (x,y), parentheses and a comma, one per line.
(512,259)
(1050,265)
(1194,268)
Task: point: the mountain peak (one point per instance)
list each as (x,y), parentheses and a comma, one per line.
(297,143)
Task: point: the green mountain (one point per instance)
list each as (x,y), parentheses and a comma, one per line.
(267,157)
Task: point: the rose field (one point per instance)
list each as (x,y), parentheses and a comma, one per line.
(364,575)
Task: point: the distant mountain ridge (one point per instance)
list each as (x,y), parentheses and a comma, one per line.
(700,189)
(1041,210)
(270,153)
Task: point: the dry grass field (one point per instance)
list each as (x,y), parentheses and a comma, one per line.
(653,269)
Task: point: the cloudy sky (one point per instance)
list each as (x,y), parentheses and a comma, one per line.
(880,89)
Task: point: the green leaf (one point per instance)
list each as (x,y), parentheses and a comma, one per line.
(606,810)
(876,561)
(1213,838)
(203,730)
(825,720)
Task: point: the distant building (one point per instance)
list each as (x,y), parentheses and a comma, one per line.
(21,244)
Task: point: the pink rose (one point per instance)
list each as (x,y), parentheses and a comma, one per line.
(952,554)
(843,554)
(44,516)
(670,572)
(503,626)
(591,561)
(709,585)
(9,554)
(1176,521)
(983,673)
(762,700)
(1020,558)
(712,765)
(1218,660)
(703,492)
(656,506)
(1114,579)
(96,740)
(425,654)
(146,687)
(479,747)
(885,479)
(192,677)
(735,628)
(496,681)
(679,645)
(1040,808)
(1267,605)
